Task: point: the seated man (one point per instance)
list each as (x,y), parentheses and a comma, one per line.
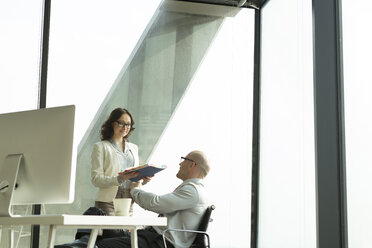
(184,207)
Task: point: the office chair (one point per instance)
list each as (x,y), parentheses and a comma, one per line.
(202,237)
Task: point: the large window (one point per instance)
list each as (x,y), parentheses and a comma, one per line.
(215,115)
(187,79)
(86,54)
(357,52)
(20,31)
(287,215)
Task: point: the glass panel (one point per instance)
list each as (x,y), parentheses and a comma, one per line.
(287,215)
(171,53)
(20,31)
(86,54)
(215,115)
(357,51)
(90,43)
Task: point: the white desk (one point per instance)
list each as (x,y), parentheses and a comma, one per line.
(95,223)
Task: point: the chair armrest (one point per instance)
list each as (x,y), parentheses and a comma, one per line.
(183,230)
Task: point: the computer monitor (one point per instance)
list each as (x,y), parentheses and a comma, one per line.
(37,157)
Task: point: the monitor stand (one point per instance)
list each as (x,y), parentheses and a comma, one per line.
(8,176)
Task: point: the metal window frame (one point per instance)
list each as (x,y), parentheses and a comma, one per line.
(256,131)
(329,125)
(42,94)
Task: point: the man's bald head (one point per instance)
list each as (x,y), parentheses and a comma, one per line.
(201,162)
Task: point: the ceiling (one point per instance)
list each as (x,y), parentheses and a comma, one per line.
(256,4)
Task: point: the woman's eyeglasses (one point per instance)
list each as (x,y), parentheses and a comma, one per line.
(123,124)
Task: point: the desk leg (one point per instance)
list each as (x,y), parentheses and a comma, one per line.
(92,238)
(133,238)
(11,237)
(52,236)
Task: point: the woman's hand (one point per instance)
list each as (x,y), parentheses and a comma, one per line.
(125,177)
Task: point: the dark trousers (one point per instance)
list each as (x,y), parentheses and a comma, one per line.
(146,239)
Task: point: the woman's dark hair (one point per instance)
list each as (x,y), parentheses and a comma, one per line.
(107,130)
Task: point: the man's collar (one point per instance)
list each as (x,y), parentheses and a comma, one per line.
(194,180)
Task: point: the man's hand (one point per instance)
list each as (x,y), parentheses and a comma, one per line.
(146,179)
(135,184)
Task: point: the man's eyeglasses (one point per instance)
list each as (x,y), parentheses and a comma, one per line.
(122,124)
(183,159)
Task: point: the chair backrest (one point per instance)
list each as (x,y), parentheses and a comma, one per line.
(203,226)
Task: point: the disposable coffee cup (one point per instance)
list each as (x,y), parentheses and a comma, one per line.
(122,206)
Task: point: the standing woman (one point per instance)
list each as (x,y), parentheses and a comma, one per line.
(110,156)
